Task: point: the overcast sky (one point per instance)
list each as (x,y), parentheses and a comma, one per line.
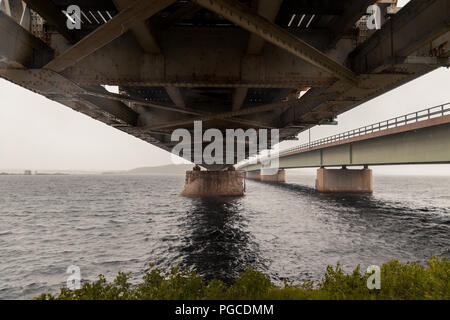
(39,134)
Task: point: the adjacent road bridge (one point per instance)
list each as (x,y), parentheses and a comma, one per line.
(421,137)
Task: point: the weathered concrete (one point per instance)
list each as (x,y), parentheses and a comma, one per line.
(344,180)
(280,176)
(255,175)
(213,183)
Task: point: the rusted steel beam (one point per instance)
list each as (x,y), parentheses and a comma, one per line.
(416,25)
(413,27)
(115,108)
(282,105)
(121,23)
(269,10)
(55,87)
(140,101)
(176,96)
(118,97)
(239,96)
(123,63)
(354,11)
(147,41)
(141,30)
(19,48)
(252,22)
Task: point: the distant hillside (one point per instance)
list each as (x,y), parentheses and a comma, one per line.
(168,169)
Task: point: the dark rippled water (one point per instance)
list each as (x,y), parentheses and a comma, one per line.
(104,224)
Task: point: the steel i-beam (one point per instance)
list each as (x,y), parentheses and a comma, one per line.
(254,23)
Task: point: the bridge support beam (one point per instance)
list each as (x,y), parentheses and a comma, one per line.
(280,176)
(213,183)
(344,180)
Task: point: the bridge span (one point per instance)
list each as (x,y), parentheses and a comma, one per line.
(422,137)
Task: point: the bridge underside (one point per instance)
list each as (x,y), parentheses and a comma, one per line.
(229,64)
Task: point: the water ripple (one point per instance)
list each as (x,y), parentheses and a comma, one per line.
(106,224)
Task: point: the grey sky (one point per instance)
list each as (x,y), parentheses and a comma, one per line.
(40,134)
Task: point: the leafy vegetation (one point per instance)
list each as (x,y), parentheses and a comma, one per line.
(408,281)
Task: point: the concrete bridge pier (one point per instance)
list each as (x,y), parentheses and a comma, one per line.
(253,175)
(213,183)
(344,180)
(279,176)
(267,175)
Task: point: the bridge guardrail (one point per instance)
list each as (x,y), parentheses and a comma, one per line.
(426,114)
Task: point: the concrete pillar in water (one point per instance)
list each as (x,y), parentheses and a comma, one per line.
(344,180)
(279,176)
(213,183)
(254,175)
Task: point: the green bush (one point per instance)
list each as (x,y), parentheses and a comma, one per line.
(398,281)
